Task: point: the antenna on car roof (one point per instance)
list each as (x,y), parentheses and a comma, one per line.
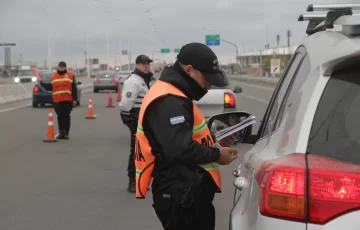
(326,20)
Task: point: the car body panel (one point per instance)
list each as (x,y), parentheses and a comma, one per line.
(299,107)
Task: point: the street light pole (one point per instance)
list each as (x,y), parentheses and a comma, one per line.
(237,49)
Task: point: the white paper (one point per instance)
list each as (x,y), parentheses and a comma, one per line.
(219,135)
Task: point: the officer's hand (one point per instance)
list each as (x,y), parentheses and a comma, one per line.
(228,141)
(227,155)
(74,103)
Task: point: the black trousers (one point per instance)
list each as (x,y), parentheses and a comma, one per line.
(63,110)
(131,163)
(200,216)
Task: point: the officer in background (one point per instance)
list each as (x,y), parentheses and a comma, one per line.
(133,92)
(64,95)
(174,146)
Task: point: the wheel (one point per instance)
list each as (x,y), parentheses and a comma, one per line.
(96,90)
(35,105)
(78,102)
(42,104)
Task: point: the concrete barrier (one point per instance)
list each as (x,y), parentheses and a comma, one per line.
(263,81)
(22,91)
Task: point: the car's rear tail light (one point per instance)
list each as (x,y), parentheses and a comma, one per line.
(96,79)
(334,188)
(114,79)
(282,187)
(36,89)
(229,100)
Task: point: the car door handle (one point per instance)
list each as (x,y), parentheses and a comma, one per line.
(241,183)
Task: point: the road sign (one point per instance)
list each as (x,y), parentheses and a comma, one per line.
(124,52)
(165,50)
(212,40)
(176,50)
(275,66)
(7,44)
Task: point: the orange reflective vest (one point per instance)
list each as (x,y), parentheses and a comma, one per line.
(62,87)
(144,159)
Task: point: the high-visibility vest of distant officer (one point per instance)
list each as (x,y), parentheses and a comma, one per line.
(62,87)
(144,158)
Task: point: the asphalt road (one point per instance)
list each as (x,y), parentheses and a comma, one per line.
(81,183)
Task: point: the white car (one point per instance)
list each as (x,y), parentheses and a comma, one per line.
(122,76)
(218,100)
(303,172)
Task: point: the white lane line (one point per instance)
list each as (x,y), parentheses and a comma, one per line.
(14,108)
(254,98)
(26,105)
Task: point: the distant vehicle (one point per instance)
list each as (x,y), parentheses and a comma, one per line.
(218,100)
(122,76)
(26,74)
(41,97)
(105,81)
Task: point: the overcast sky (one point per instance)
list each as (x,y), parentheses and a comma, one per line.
(144,26)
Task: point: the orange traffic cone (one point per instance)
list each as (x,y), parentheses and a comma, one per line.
(110,100)
(50,136)
(90,110)
(118,94)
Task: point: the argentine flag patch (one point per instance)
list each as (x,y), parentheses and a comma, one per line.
(177,120)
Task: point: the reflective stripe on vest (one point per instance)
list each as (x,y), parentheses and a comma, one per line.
(62,87)
(144,159)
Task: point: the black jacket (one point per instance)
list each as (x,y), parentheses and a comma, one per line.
(48,86)
(174,142)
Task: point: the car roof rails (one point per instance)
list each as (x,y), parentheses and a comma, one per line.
(321,22)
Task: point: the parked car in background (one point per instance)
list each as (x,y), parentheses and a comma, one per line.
(106,80)
(218,100)
(122,76)
(41,96)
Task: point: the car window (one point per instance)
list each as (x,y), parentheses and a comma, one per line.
(280,94)
(106,75)
(335,131)
(292,99)
(45,77)
(26,73)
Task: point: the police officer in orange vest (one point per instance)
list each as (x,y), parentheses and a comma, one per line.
(174,147)
(64,94)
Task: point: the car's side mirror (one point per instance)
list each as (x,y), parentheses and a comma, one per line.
(237,89)
(224,120)
(79,83)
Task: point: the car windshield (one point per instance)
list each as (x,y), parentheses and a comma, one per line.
(45,77)
(105,75)
(26,73)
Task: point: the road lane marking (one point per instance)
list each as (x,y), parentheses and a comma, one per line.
(14,108)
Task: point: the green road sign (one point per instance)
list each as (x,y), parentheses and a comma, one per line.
(212,40)
(177,50)
(165,50)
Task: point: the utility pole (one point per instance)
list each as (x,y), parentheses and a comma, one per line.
(236,47)
(288,33)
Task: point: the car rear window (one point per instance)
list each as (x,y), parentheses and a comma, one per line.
(45,77)
(335,132)
(106,75)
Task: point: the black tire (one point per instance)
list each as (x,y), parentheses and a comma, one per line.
(96,90)
(35,105)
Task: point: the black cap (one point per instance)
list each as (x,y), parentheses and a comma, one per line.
(202,58)
(62,64)
(143,59)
